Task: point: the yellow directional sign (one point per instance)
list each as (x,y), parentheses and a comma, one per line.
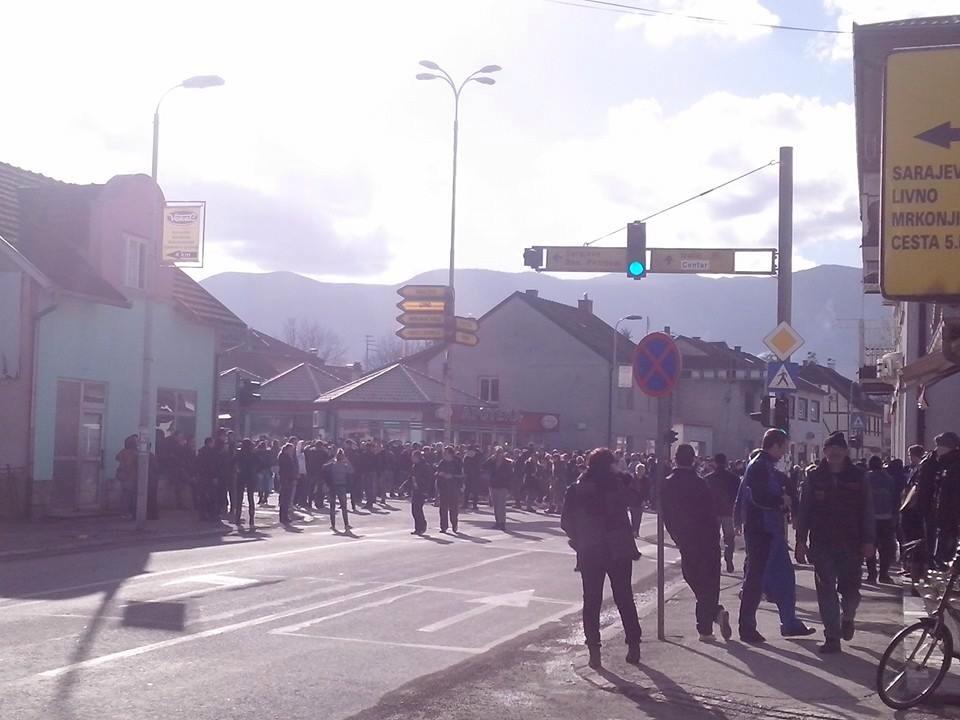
(920,208)
(680,260)
(466,338)
(469,325)
(421,319)
(425,292)
(422,306)
(422,333)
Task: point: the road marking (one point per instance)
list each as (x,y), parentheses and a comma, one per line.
(388,643)
(146,575)
(291,629)
(486,604)
(254,622)
(224,581)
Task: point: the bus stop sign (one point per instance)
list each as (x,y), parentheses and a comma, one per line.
(657,364)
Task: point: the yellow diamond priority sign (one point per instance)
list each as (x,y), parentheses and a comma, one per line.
(784,341)
(920,206)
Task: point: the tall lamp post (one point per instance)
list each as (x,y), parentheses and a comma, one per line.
(481,76)
(146,396)
(615,373)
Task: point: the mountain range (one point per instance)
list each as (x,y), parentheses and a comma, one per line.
(827,301)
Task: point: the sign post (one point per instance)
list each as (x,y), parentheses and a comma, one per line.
(657,365)
(920,205)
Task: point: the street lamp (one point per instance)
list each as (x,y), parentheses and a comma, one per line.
(146,396)
(480,76)
(615,373)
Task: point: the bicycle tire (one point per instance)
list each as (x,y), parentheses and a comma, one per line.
(929,626)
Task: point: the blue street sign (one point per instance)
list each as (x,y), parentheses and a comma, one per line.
(857,423)
(782,376)
(657,364)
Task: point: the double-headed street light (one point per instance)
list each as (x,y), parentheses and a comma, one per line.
(481,76)
(146,396)
(615,373)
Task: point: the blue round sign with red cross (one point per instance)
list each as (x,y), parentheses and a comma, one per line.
(657,364)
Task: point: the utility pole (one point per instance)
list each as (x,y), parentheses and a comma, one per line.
(664,426)
(785,238)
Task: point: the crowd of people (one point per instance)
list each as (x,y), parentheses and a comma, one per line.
(847,516)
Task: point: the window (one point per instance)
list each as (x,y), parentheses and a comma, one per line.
(748,402)
(814,411)
(793,406)
(625,377)
(801,408)
(177,411)
(136,263)
(490,389)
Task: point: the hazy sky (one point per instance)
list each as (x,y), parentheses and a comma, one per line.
(324,155)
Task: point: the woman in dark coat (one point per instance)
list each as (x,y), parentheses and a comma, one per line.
(595,519)
(248,465)
(289,471)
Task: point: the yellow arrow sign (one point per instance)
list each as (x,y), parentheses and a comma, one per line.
(469,325)
(422,333)
(466,338)
(422,306)
(920,205)
(420,319)
(425,292)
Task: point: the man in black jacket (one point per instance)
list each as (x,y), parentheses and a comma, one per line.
(836,513)
(595,519)
(501,472)
(724,486)
(690,518)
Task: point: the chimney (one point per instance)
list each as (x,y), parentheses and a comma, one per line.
(697,337)
(532,293)
(585,304)
(738,348)
(831,363)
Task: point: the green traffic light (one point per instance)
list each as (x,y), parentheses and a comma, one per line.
(635,268)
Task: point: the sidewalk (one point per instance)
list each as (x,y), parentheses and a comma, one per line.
(55,536)
(546,675)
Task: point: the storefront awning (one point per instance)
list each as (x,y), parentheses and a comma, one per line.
(931,368)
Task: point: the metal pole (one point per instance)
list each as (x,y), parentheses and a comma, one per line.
(614,378)
(785,238)
(664,425)
(448,358)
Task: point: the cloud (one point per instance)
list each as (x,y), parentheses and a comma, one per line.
(288,231)
(665,30)
(847,12)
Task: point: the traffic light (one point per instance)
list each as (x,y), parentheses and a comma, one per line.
(763,416)
(533,258)
(781,414)
(249,392)
(670,437)
(636,261)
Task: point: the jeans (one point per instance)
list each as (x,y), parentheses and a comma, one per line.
(334,495)
(780,584)
(729,538)
(236,499)
(416,509)
(886,546)
(498,496)
(837,570)
(471,490)
(449,511)
(287,488)
(593,574)
(701,570)
(758,555)
(636,518)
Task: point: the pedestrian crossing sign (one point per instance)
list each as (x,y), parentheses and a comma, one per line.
(781,377)
(857,424)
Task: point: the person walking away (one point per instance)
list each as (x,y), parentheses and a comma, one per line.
(289,471)
(594,517)
(885,507)
(911,518)
(836,515)
(208,467)
(336,476)
(247,466)
(418,484)
(690,518)
(471,472)
(449,484)
(501,471)
(948,496)
(724,487)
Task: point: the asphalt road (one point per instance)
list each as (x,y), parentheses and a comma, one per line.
(276,623)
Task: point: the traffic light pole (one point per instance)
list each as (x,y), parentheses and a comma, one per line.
(785,238)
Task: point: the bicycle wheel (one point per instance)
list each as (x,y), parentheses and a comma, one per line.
(914,664)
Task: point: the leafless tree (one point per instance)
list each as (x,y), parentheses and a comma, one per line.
(390,349)
(312,336)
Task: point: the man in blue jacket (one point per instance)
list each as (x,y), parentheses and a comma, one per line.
(759,503)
